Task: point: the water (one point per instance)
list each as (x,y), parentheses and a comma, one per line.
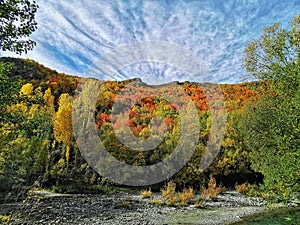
(279,217)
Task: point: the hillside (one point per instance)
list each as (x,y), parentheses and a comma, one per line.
(39,75)
(59,161)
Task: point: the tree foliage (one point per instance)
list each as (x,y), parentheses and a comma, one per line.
(9,88)
(26,139)
(41,132)
(275,56)
(63,123)
(271,123)
(17,19)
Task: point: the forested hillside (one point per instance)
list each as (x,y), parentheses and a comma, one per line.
(37,142)
(89,151)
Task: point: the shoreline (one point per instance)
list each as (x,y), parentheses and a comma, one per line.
(128,208)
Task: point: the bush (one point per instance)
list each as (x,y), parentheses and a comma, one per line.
(212,190)
(242,188)
(177,198)
(155,202)
(146,194)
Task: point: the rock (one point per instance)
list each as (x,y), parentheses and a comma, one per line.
(122,208)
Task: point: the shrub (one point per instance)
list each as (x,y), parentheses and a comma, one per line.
(242,188)
(124,204)
(212,190)
(155,202)
(177,198)
(186,196)
(146,194)
(169,192)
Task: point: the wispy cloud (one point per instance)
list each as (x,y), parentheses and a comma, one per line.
(73,34)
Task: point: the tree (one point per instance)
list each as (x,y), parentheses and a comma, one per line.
(275,56)
(271,124)
(9,89)
(17,19)
(63,123)
(26,139)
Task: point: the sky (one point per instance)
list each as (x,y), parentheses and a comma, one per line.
(77,37)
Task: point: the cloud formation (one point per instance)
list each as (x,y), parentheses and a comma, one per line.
(73,34)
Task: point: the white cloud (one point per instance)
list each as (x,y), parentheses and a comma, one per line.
(74,34)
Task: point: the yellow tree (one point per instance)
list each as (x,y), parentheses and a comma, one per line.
(49,99)
(62,123)
(26,89)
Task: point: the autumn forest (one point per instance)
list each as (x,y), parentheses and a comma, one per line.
(258,153)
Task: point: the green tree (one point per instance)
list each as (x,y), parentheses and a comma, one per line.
(17,19)
(275,56)
(9,89)
(232,165)
(25,140)
(271,124)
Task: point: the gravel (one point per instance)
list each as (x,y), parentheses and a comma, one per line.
(127,208)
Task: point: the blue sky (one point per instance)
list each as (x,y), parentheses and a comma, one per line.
(72,35)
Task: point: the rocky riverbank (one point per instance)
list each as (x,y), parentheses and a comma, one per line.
(127,208)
